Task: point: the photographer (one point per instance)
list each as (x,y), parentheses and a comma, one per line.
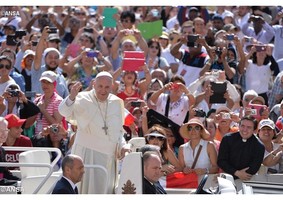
(219,59)
(260,29)
(53,135)
(177,103)
(85,67)
(15,101)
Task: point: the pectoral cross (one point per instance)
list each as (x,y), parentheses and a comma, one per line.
(105,128)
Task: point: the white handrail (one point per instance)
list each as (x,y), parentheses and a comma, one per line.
(50,166)
(52,149)
(104,171)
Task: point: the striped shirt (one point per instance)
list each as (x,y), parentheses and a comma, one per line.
(52,107)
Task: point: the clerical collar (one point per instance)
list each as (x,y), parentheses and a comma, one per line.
(244,140)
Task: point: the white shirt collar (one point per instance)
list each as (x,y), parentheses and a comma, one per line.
(71,182)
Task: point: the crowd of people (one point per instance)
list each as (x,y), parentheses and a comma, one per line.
(209,93)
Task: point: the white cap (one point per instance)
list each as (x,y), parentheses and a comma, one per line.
(50,76)
(28,52)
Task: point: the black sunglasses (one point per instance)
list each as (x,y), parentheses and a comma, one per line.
(151,137)
(6,66)
(156,47)
(196,128)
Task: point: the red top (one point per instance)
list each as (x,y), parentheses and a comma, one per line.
(13,156)
(123,95)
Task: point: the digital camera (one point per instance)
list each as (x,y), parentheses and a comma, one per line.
(54,129)
(14,93)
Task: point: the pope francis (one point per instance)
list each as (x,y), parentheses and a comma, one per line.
(99,138)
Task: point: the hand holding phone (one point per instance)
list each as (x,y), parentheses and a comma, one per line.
(92,54)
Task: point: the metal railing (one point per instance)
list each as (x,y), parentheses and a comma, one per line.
(49,166)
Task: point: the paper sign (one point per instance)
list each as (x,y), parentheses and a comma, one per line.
(109,20)
(150,29)
(133,60)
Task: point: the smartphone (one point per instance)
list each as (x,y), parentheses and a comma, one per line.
(52,30)
(192,40)
(260,48)
(88,30)
(11,40)
(175,86)
(136,103)
(20,33)
(92,54)
(230,37)
(248,39)
(34,43)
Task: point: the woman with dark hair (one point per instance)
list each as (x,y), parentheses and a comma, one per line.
(154,59)
(176,104)
(53,135)
(157,136)
(85,67)
(206,162)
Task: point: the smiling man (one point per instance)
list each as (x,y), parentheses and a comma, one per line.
(241,153)
(99,138)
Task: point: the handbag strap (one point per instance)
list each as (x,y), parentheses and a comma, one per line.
(167,106)
(196,158)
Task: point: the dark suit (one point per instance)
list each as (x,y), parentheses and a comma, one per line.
(63,187)
(155,188)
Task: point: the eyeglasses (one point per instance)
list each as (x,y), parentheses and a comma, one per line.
(125,20)
(196,128)
(156,47)
(4,130)
(6,66)
(156,137)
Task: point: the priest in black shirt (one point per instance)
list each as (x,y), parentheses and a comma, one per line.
(241,153)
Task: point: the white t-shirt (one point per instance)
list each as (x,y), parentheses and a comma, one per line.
(177,110)
(257,77)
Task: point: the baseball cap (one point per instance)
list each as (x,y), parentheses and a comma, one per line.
(28,52)
(53,36)
(193,9)
(14,121)
(50,76)
(266,122)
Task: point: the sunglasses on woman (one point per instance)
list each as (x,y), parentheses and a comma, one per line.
(6,66)
(196,128)
(156,47)
(156,137)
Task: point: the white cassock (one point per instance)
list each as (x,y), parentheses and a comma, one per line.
(92,144)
